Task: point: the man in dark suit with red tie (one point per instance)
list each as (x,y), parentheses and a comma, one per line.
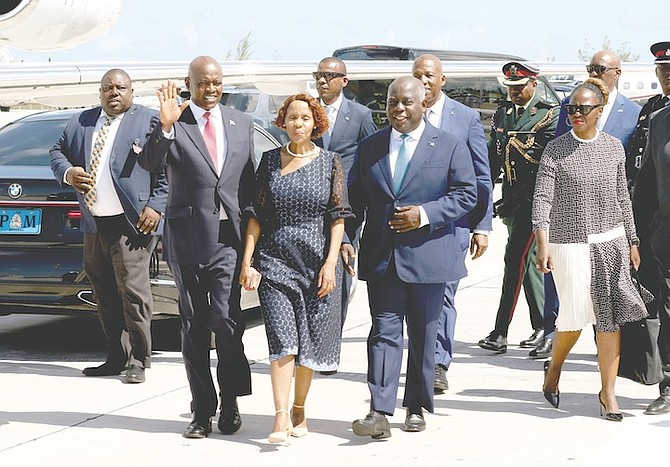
(121,207)
(208,151)
(410,183)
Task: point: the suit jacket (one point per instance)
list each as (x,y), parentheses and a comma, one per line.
(353,123)
(440,177)
(620,123)
(462,121)
(197,191)
(135,187)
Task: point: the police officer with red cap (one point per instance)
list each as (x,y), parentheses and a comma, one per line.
(521,128)
(649,149)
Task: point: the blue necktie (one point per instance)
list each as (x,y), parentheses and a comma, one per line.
(401,164)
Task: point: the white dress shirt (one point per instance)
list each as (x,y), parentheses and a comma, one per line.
(412,142)
(607,109)
(434,112)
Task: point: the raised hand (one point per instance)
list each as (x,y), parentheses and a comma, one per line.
(170,110)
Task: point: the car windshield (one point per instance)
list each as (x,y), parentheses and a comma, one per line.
(28,143)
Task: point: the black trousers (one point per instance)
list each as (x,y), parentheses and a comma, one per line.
(520,270)
(209,301)
(119,276)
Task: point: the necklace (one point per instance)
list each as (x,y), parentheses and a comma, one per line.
(308,154)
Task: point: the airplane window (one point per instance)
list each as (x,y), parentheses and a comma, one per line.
(626,85)
(654,85)
(640,85)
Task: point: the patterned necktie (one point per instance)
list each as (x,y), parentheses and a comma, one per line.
(401,164)
(92,194)
(210,139)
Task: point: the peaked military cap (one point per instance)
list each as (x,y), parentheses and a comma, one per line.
(661,50)
(517,73)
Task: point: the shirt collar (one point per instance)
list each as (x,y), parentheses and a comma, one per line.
(414,135)
(199,112)
(335,105)
(438,105)
(103,116)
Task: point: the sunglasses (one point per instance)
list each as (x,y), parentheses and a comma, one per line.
(582,109)
(327,74)
(598,69)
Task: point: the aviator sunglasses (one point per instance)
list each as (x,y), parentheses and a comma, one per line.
(327,74)
(582,109)
(598,69)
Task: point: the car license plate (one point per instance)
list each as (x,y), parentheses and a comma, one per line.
(20,221)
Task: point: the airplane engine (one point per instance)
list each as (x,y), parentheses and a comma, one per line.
(50,25)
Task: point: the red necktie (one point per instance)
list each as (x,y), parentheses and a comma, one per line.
(210,139)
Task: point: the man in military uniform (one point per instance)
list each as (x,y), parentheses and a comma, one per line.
(522,126)
(651,195)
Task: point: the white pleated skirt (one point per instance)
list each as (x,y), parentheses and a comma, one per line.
(572,275)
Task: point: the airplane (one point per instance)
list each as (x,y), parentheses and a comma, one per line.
(46,24)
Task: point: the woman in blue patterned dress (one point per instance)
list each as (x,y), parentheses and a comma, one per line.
(298,223)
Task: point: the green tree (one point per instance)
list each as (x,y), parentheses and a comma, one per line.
(243,51)
(584,54)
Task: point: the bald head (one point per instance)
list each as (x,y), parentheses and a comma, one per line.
(116,92)
(205,82)
(405,103)
(609,68)
(427,68)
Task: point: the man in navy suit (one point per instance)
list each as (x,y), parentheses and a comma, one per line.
(410,183)
(208,151)
(461,121)
(121,206)
(619,119)
(350,122)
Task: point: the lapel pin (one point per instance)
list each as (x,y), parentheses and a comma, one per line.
(231,122)
(430,143)
(346,117)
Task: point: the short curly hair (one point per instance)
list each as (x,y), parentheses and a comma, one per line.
(318,113)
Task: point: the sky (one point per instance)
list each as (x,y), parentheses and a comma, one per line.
(159,30)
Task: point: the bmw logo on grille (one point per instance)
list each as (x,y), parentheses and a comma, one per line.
(15,190)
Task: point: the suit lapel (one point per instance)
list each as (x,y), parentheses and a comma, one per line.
(190,126)
(448,115)
(423,151)
(615,114)
(383,163)
(88,137)
(228,123)
(341,122)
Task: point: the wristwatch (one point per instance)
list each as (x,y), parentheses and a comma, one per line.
(635,241)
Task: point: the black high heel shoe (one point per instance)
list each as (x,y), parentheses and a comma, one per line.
(552,397)
(609,416)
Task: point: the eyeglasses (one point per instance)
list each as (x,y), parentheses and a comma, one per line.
(582,109)
(598,69)
(327,74)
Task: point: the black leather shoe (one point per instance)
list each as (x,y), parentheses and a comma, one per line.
(414,420)
(554,398)
(661,405)
(229,420)
(374,424)
(493,342)
(106,369)
(533,340)
(199,428)
(543,349)
(134,374)
(440,384)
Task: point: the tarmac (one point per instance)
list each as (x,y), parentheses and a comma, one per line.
(493,413)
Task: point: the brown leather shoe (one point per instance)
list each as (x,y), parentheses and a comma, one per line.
(134,374)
